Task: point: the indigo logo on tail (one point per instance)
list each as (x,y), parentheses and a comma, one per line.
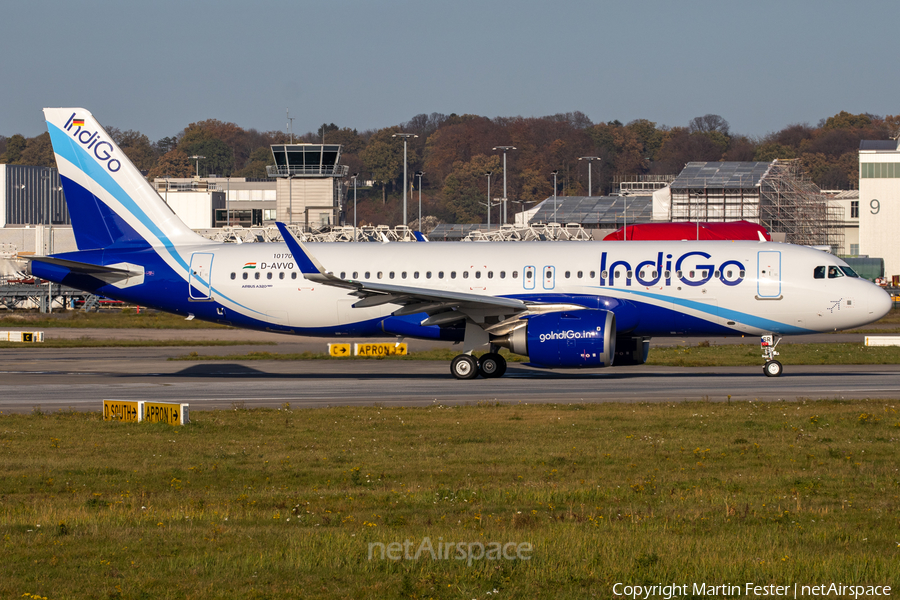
(91,140)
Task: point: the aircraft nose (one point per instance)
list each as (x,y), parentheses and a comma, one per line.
(880,303)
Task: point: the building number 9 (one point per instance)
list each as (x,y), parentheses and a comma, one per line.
(875,205)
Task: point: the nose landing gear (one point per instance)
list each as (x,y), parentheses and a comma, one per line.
(772,368)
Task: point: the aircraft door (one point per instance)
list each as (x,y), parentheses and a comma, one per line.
(528,277)
(768,275)
(549,277)
(199,278)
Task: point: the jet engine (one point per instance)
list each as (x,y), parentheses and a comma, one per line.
(571,339)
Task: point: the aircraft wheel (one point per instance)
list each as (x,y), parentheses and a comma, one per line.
(772,368)
(464,366)
(491,365)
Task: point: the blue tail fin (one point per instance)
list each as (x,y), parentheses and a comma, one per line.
(110,203)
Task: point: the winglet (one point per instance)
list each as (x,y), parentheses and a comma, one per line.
(420,237)
(311,268)
(306,261)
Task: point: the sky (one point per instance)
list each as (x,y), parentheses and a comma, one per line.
(157,66)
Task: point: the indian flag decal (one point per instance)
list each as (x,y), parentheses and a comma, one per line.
(250,265)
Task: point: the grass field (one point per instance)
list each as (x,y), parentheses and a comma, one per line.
(117,319)
(97,343)
(287,503)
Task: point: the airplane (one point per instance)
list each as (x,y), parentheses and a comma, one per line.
(561,304)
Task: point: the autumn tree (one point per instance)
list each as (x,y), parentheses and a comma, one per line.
(465,188)
(257,163)
(383,158)
(172,164)
(15,146)
(38,152)
(219,158)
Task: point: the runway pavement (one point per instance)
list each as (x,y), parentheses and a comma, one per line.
(80,378)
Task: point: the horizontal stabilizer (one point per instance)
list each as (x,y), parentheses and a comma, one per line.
(112,274)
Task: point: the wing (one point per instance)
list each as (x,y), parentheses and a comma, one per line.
(494,314)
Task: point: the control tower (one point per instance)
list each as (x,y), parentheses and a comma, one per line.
(308,190)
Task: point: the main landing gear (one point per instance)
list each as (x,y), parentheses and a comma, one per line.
(772,368)
(489,366)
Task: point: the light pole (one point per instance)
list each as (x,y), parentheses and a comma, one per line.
(554,173)
(198,158)
(419,175)
(590,159)
(489,173)
(355,176)
(504,149)
(405,137)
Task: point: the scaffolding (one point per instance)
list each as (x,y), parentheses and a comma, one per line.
(792,204)
(777,195)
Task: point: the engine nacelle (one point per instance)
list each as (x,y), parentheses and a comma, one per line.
(571,339)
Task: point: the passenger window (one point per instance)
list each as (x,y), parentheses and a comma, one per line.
(593,274)
(294,275)
(490,274)
(452,274)
(528,274)
(368,275)
(391,274)
(355,274)
(502,274)
(515,275)
(604,274)
(256,275)
(741,273)
(428,275)
(380,273)
(655,274)
(568,274)
(629,274)
(440,274)
(819,273)
(343,275)
(416,275)
(465,274)
(233,275)
(477,274)
(403,275)
(580,274)
(243,275)
(281,275)
(269,275)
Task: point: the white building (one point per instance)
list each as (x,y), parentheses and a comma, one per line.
(879,202)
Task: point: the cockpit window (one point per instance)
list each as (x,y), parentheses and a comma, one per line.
(834,272)
(849,272)
(819,273)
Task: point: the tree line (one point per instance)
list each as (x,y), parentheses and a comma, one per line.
(455,152)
